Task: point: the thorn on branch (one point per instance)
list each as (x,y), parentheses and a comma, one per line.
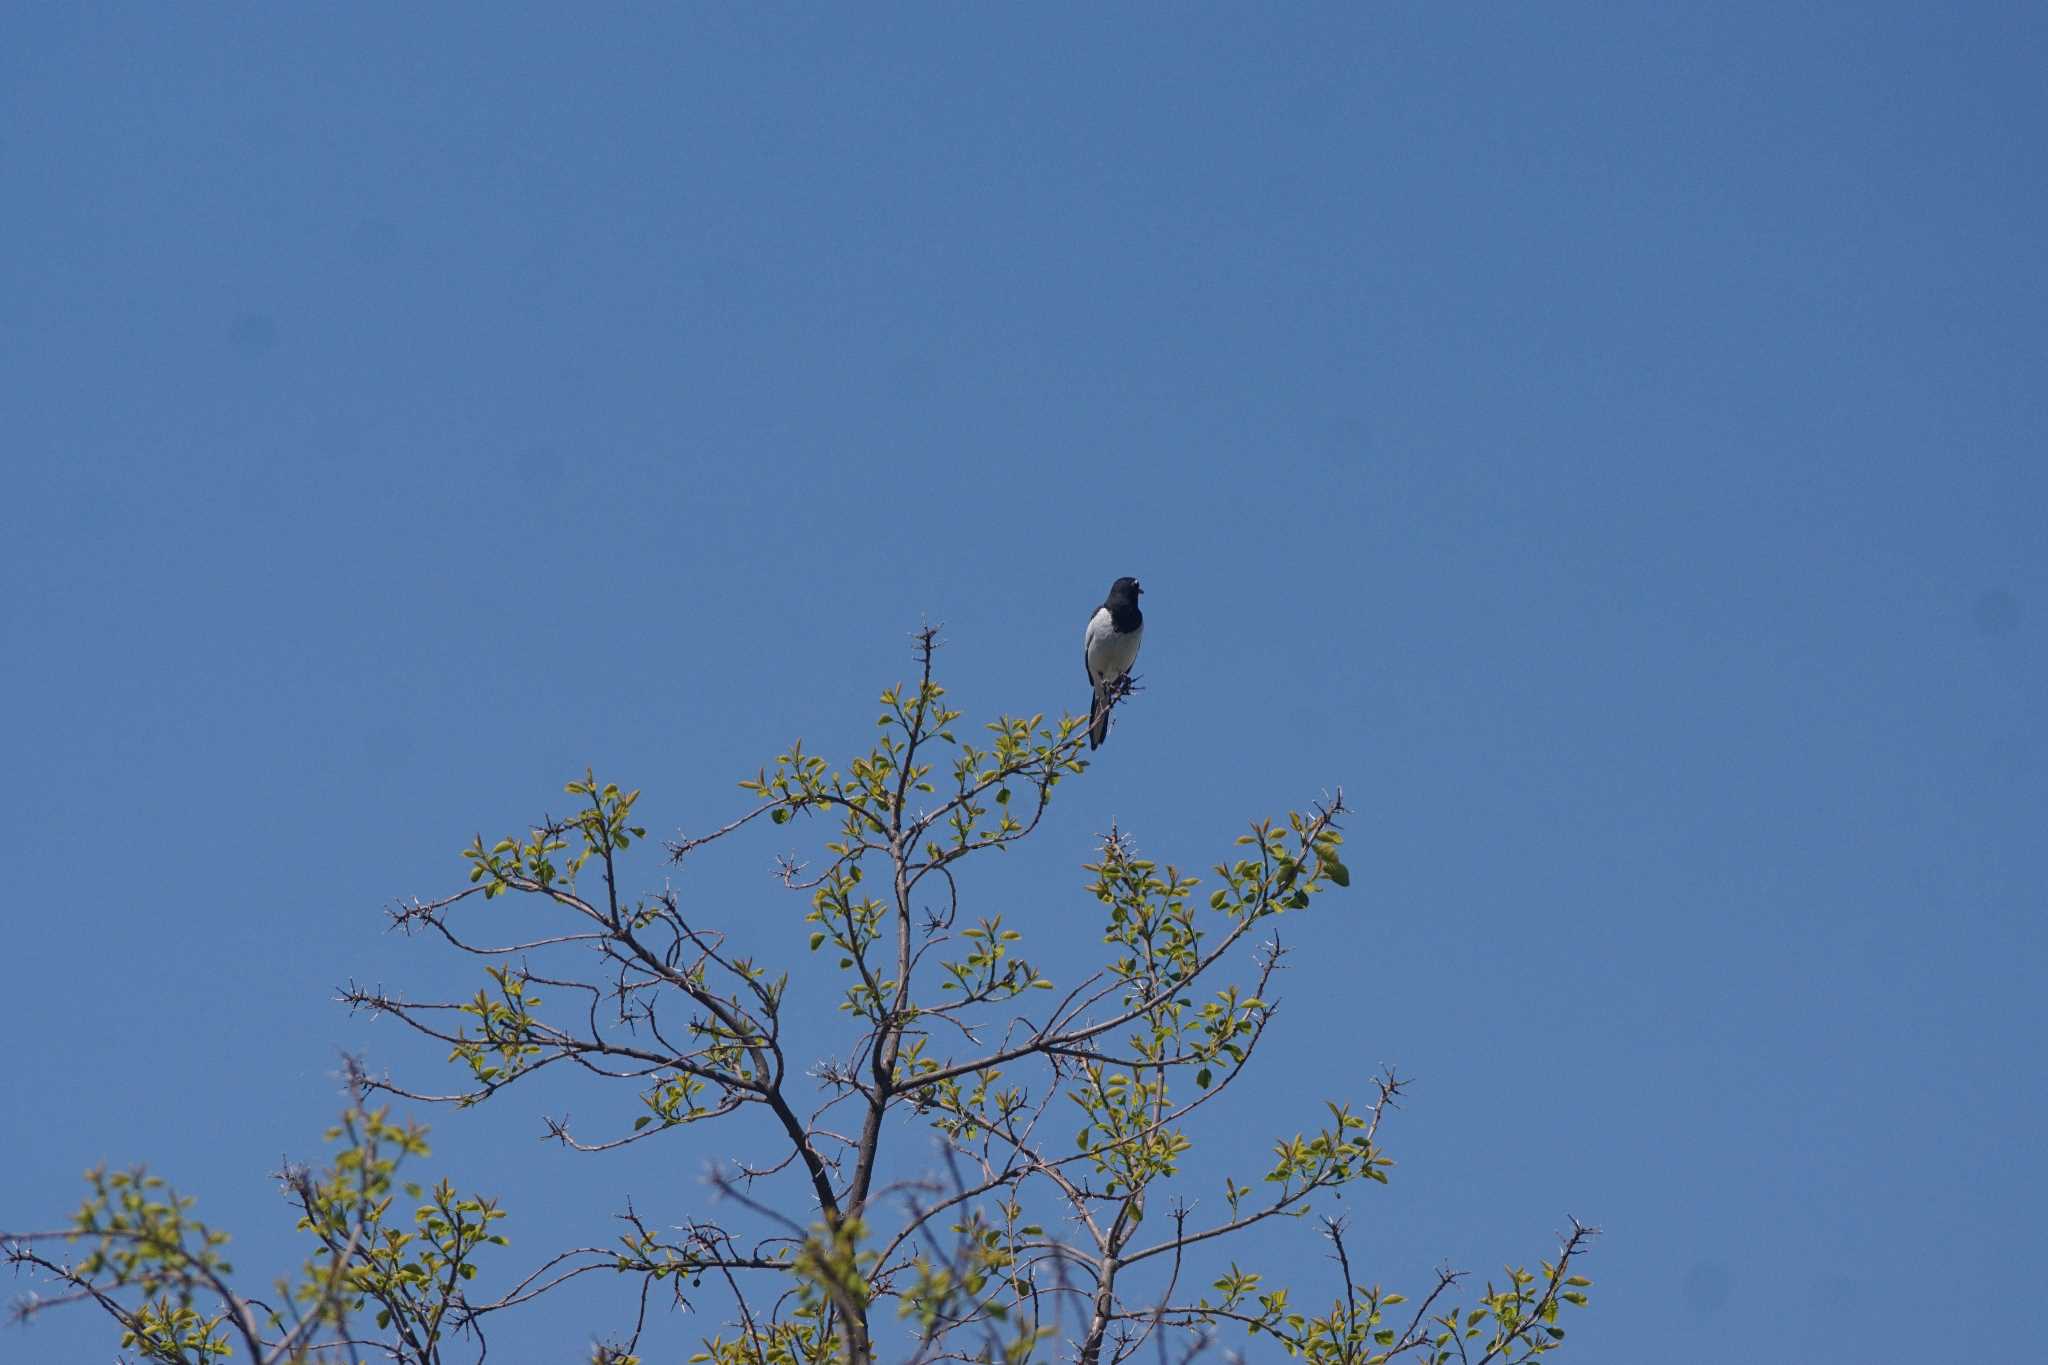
(356,998)
(1271,954)
(832,1073)
(295,1178)
(408,916)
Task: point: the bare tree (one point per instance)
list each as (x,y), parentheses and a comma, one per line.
(926,1199)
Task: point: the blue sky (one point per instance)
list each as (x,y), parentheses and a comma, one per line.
(1607,440)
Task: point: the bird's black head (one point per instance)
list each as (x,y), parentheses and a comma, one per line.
(1125,590)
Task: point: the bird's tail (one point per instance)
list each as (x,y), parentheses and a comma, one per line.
(1098,717)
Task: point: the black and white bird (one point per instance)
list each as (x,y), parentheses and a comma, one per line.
(1109,647)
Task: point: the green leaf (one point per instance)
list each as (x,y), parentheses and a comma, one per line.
(780,815)
(1202,1078)
(1339,873)
(642,1122)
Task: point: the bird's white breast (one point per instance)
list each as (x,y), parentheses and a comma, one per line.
(1110,655)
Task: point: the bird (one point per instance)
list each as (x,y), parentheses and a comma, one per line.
(1109,646)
